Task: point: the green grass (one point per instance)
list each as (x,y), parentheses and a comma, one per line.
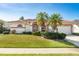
(39,54)
(30,41)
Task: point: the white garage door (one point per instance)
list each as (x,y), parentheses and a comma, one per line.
(64,29)
(20,30)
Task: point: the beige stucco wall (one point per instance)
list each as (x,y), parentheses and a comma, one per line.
(18,30)
(27,28)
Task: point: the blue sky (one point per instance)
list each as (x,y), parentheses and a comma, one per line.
(13,11)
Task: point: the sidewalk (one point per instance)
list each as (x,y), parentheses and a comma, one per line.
(38,50)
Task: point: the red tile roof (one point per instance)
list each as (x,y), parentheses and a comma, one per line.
(28,21)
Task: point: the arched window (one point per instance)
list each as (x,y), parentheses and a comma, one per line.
(19,25)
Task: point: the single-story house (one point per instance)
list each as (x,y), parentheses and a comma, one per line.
(29,25)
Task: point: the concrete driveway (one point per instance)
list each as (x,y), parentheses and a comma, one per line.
(73,39)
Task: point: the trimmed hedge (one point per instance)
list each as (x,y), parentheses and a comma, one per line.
(27,33)
(50,35)
(6,32)
(37,33)
(61,36)
(75,34)
(13,31)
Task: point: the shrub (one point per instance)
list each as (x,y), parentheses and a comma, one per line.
(27,32)
(46,34)
(1,29)
(13,31)
(6,32)
(6,29)
(37,33)
(61,36)
(51,35)
(75,34)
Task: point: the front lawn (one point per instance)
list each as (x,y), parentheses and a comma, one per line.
(30,41)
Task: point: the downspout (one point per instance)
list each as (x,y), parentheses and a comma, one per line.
(25,26)
(71,29)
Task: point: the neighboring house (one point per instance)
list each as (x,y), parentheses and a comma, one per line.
(29,25)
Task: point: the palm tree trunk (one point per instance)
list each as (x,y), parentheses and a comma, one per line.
(57,30)
(46,28)
(43,28)
(52,29)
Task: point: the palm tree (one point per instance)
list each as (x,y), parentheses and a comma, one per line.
(41,19)
(55,20)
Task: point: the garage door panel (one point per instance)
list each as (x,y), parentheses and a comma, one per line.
(19,30)
(64,29)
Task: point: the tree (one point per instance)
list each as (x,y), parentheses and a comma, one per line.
(55,20)
(41,19)
(1,26)
(1,22)
(21,18)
